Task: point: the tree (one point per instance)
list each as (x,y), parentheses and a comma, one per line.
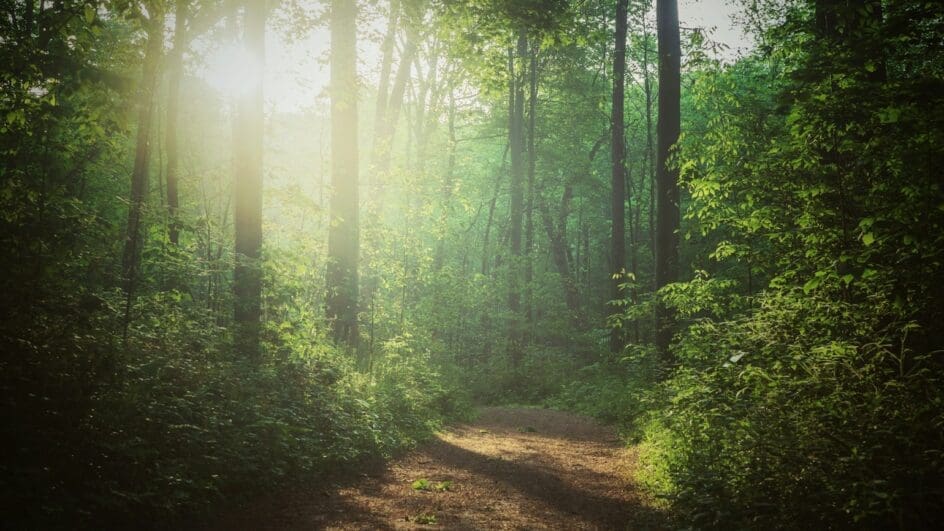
(516,144)
(618,169)
(388,112)
(667,190)
(343,235)
(154,26)
(529,205)
(176,67)
(247,277)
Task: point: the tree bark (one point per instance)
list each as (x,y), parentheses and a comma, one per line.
(667,194)
(247,218)
(343,235)
(618,173)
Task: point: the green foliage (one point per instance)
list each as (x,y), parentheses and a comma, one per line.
(809,428)
(174,423)
(616,391)
(421,484)
(425,519)
(808,391)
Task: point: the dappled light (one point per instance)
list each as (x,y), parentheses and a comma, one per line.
(472,264)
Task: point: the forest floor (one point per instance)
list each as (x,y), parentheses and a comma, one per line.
(512,468)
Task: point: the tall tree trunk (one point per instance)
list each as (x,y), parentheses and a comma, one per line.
(384,140)
(343,235)
(667,194)
(516,141)
(618,173)
(383,85)
(650,174)
(247,277)
(131,256)
(426,109)
(529,205)
(175,65)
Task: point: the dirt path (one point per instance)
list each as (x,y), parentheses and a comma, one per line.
(513,468)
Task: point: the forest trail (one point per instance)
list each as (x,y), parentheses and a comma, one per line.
(512,468)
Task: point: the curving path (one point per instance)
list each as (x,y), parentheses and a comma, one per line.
(513,468)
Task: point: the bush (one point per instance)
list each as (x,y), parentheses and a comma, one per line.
(777,422)
(174,423)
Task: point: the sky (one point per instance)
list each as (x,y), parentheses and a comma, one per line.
(296,70)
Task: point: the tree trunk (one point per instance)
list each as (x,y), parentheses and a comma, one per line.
(650,152)
(667,193)
(516,141)
(529,206)
(175,65)
(618,173)
(558,242)
(383,85)
(247,218)
(343,244)
(383,141)
(131,256)
(491,212)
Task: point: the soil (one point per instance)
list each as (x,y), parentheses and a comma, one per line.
(512,468)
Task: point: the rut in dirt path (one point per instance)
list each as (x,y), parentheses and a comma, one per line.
(513,468)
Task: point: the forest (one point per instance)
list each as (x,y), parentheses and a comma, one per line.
(260,248)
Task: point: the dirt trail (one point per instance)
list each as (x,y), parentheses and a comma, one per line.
(513,468)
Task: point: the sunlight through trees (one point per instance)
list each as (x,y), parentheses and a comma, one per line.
(249,244)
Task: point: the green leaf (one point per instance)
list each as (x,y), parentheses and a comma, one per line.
(868,238)
(812,284)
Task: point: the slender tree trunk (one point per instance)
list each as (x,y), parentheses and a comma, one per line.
(650,173)
(175,65)
(529,206)
(516,141)
(631,194)
(383,142)
(247,277)
(426,109)
(131,256)
(491,213)
(618,173)
(667,195)
(383,85)
(343,235)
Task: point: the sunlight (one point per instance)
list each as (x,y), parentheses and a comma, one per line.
(232,70)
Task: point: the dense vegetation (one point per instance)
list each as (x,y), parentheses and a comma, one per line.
(208,295)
